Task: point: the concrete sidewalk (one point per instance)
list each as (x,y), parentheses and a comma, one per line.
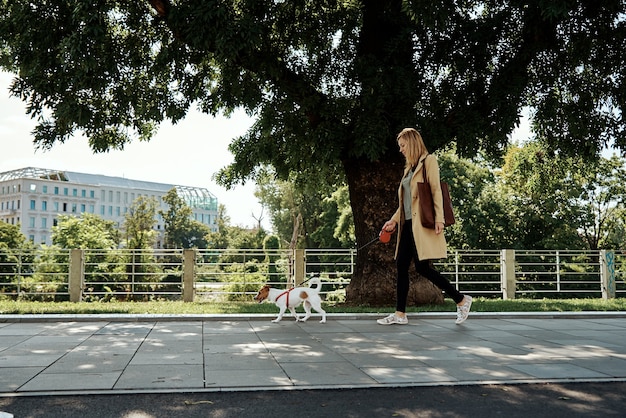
(112,354)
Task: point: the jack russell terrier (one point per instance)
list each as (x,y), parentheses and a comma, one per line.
(291,298)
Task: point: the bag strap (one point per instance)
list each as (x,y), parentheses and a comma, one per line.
(424,169)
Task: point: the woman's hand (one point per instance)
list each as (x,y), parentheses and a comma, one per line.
(438,228)
(390,225)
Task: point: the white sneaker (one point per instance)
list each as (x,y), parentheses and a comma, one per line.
(393,319)
(462,312)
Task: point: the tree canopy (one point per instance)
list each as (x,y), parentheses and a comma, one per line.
(330,82)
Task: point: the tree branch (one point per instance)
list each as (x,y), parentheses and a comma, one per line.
(265,63)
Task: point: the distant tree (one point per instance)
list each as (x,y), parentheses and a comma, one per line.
(88,231)
(221,237)
(318,213)
(15,254)
(482,220)
(139,223)
(11,236)
(602,201)
(271,243)
(335,227)
(181,230)
(615,238)
(557,201)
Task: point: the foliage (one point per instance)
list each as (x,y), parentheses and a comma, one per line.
(481,216)
(559,201)
(317,213)
(51,270)
(13,261)
(249,283)
(181,230)
(11,236)
(234,237)
(535,200)
(602,202)
(86,231)
(139,223)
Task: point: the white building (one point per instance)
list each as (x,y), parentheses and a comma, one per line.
(35,197)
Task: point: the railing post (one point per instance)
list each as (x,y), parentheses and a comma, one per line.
(607,274)
(299,266)
(77,275)
(507,274)
(189,262)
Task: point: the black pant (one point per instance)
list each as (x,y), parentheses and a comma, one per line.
(407,253)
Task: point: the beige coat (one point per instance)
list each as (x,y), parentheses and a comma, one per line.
(430,246)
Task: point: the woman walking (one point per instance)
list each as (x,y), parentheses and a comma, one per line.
(415,242)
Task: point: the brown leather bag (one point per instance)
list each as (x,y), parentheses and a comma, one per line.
(427,207)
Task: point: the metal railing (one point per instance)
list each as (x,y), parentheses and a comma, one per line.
(234,274)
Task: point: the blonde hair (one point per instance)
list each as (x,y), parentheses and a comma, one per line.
(415,146)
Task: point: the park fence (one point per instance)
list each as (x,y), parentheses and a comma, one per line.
(237,274)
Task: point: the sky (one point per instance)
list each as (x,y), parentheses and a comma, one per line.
(188,154)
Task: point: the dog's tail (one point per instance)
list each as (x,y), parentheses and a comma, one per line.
(317,282)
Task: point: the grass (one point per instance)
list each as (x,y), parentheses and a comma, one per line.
(177,307)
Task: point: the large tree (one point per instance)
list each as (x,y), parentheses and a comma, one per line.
(330,82)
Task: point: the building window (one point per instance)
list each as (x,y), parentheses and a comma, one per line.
(82,208)
(75,192)
(110,195)
(45,189)
(55,222)
(92,194)
(33,188)
(64,207)
(44,223)
(31,222)
(102,210)
(44,205)
(32,205)
(110,210)
(55,205)
(83,193)
(102,195)
(117,211)
(73,207)
(56,190)
(92,209)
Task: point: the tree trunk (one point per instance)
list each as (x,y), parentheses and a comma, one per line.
(374,199)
